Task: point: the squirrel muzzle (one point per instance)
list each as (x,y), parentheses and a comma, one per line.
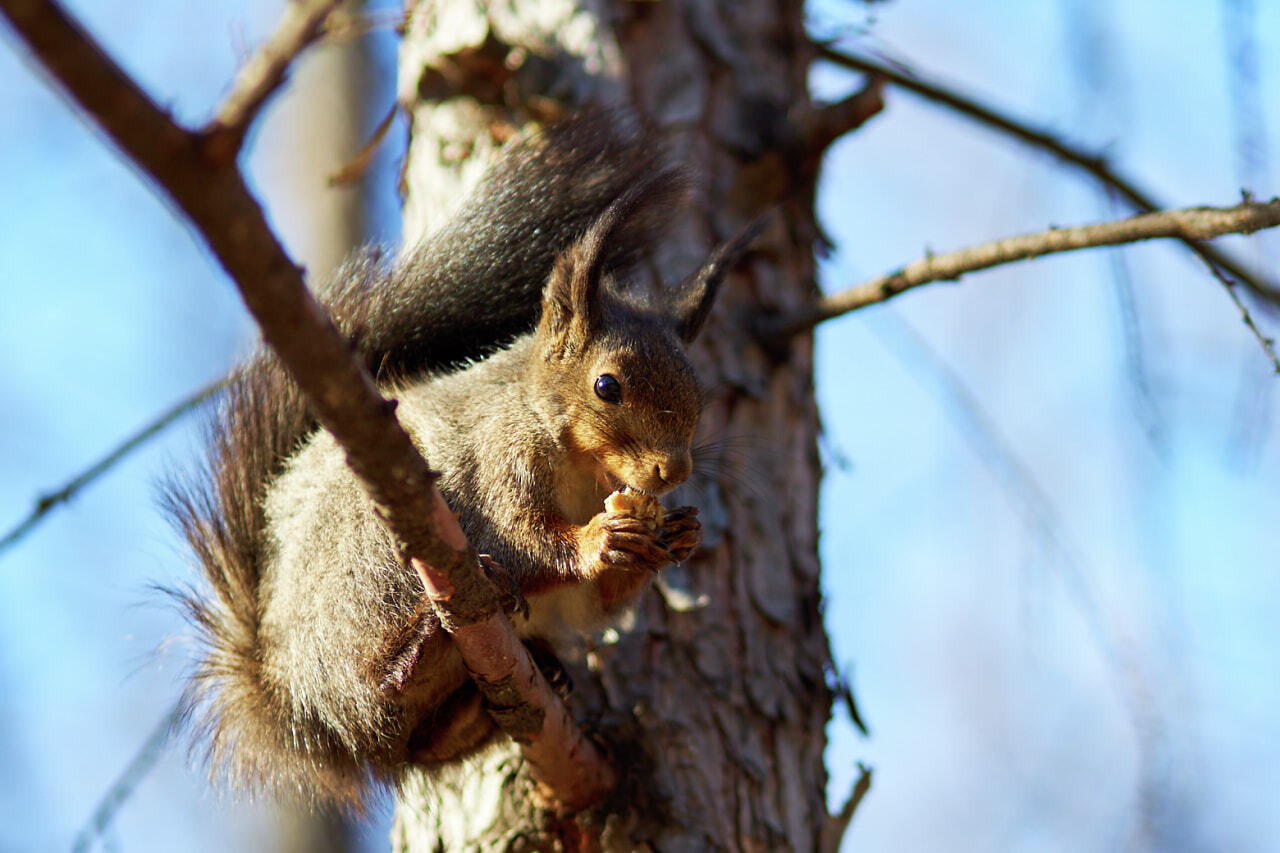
(671,470)
(652,472)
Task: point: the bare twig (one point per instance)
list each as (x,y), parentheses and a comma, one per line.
(48,501)
(353,25)
(213,196)
(1268,344)
(354,171)
(837,824)
(1242,38)
(120,791)
(1145,408)
(1190,224)
(301,24)
(843,688)
(1095,164)
(824,125)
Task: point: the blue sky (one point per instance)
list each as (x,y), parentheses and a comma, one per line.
(1119,692)
(1089,663)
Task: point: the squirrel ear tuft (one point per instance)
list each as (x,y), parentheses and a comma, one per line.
(572,302)
(691,302)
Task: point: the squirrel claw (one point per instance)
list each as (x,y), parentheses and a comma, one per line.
(681,533)
(513,600)
(629,551)
(631,543)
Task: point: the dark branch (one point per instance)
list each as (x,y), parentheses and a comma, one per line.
(120,108)
(47,502)
(826,124)
(212,194)
(837,824)
(1092,163)
(1268,344)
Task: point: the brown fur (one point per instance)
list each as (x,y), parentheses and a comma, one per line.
(323,667)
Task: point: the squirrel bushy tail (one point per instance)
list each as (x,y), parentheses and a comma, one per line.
(469,288)
(476,283)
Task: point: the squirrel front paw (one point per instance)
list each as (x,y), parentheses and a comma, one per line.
(627,542)
(680,532)
(637,533)
(625,536)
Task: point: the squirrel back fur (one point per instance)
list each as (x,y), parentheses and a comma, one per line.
(324,668)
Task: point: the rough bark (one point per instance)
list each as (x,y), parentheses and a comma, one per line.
(714,699)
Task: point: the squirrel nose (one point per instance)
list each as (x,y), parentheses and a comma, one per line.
(673,470)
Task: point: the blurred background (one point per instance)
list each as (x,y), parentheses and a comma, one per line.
(1053,490)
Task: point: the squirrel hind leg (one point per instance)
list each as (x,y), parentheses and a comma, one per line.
(462,725)
(549,664)
(457,729)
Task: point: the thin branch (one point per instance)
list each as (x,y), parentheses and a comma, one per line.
(1093,163)
(1268,344)
(213,196)
(48,501)
(302,23)
(824,125)
(120,791)
(843,688)
(1251,415)
(354,171)
(837,824)
(1190,225)
(344,27)
(1145,408)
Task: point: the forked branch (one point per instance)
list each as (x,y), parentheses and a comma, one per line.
(1189,225)
(302,23)
(1090,162)
(212,194)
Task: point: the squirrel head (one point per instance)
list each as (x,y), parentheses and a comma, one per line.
(614,381)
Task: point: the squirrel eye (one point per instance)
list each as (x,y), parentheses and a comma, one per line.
(608,388)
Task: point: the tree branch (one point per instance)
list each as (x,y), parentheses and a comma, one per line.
(1189,225)
(213,196)
(1092,163)
(822,126)
(48,501)
(123,787)
(1268,344)
(302,23)
(837,824)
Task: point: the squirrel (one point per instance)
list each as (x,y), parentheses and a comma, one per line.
(557,404)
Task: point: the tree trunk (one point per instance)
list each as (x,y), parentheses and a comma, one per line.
(713,701)
(310,134)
